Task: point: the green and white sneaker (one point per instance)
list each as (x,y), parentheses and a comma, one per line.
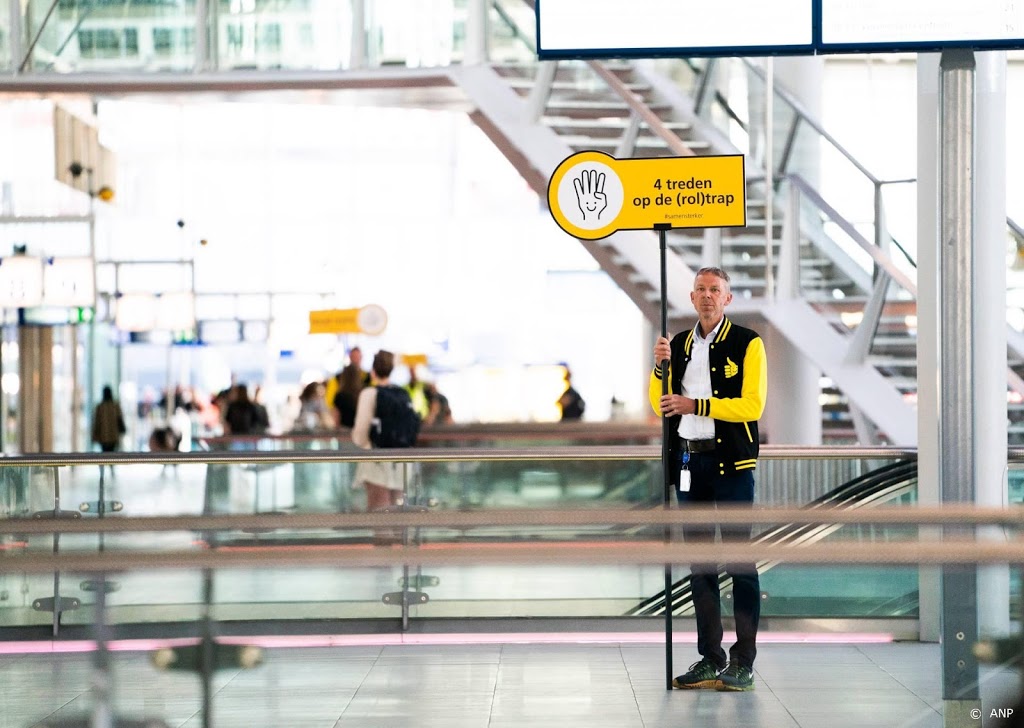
(735,678)
(702,675)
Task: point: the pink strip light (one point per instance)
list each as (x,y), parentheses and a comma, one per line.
(384,640)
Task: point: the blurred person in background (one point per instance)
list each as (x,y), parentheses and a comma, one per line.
(347,385)
(313,411)
(570,403)
(383,481)
(439,413)
(351,383)
(417,390)
(108,425)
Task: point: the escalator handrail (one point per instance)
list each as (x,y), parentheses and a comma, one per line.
(879,485)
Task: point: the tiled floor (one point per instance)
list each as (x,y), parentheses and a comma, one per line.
(505,686)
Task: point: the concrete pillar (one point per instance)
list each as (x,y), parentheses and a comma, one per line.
(928,322)
(14,33)
(803,77)
(357,58)
(711,251)
(792,415)
(989,350)
(35,395)
(793,381)
(475,51)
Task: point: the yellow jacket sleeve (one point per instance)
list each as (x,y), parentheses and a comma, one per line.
(749,406)
(654,389)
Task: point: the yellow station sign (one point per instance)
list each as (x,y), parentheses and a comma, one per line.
(334,321)
(414,360)
(592,195)
(369,319)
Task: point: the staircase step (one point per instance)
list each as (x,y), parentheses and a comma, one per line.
(566,71)
(615,127)
(646,144)
(596,109)
(733,259)
(520,83)
(574,95)
(892,362)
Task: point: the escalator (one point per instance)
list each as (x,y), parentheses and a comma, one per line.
(875,488)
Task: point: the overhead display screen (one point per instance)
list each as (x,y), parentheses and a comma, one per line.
(649,28)
(865,25)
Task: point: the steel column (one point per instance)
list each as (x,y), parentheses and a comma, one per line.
(958,590)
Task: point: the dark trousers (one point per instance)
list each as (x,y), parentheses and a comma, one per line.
(708,486)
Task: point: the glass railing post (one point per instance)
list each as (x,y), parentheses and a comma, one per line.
(881,236)
(704,82)
(769,182)
(405,542)
(787,149)
(102,679)
(357,56)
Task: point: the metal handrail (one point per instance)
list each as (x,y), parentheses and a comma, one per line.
(806,118)
(879,256)
(434,455)
(514,26)
(1015,229)
(893,553)
(967,516)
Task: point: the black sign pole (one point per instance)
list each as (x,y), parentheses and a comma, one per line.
(665,464)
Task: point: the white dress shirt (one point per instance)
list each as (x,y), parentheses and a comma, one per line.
(697,385)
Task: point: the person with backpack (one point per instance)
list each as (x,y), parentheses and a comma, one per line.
(385,418)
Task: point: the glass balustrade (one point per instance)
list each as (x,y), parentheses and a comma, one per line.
(310,475)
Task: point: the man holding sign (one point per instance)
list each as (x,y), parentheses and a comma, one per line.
(718,380)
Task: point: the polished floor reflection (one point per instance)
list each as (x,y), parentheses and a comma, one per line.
(500,686)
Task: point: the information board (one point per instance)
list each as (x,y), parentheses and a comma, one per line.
(653,28)
(885,25)
(649,28)
(592,195)
(370,319)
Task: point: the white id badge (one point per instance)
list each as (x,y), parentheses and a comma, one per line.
(684,481)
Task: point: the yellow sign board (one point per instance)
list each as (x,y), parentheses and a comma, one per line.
(413,360)
(369,319)
(592,195)
(334,321)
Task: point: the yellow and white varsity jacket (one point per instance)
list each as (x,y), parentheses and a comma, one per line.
(739,385)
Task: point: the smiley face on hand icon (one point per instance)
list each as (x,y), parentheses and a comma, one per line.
(587,192)
(590,193)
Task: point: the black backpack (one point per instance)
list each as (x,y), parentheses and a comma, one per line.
(396,422)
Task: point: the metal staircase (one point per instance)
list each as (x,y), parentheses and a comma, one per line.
(539,114)
(841,275)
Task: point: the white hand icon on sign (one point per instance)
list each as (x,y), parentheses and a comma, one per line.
(590,193)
